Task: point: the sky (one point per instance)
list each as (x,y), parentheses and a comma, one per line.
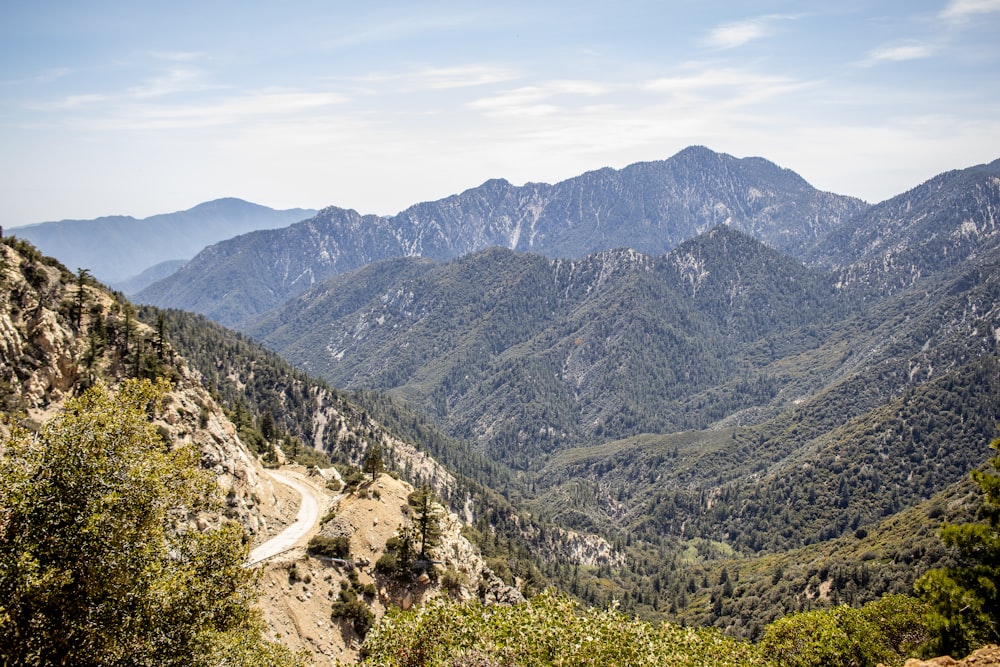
(138,108)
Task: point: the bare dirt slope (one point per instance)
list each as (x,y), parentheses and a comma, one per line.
(298,590)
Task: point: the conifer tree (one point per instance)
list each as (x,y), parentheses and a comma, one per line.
(966,598)
(426,518)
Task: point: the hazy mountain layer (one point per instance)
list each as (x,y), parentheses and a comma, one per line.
(117,248)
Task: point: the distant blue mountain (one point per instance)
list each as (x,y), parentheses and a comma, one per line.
(117,248)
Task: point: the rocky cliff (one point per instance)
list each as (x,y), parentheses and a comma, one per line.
(61,333)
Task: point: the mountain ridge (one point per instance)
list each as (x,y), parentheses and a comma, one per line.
(651,207)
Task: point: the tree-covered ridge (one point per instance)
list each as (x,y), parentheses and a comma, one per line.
(608,344)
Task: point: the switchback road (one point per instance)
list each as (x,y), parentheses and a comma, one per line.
(307,517)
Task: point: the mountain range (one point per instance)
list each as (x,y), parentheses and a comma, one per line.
(748,386)
(749,397)
(650,207)
(116,249)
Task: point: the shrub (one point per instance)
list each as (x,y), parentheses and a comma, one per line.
(331,547)
(547,630)
(454,581)
(349,608)
(884,631)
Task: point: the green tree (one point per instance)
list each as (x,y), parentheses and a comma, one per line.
(374,464)
(883,631)
(78,302)
(97,564)
(426,518)
(966,598)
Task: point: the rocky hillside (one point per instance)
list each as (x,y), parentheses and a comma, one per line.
(299,587)
(952,218)
(61,333)
(650,207)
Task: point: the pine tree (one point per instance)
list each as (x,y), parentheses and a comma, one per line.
(966,598)
(426,518)
(374,463)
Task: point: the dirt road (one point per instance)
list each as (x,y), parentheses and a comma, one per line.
(307,517)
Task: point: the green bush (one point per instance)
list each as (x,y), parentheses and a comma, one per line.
(547,630)
(884,631)
(331,547)
(349,608)
(453,581)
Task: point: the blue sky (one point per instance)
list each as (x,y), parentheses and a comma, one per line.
(138,107)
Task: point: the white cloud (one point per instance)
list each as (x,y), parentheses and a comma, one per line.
(733,35)
(961,10)
(729,85)
(528,100)
(173,81)
(899,53)
(283,105)
(439,78)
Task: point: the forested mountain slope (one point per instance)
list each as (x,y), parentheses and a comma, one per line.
(500,344)
(650,207)
(720,401)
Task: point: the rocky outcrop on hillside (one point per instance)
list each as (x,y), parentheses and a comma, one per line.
(61,333)
(299,589)
(988,656)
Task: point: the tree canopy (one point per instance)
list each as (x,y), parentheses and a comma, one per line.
(99,562)
(966,598)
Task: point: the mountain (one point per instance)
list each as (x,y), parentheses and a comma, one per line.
(717,403)
(939,224)
(650,207)
(721,433)
(500,343)
(117,248)
(149,276)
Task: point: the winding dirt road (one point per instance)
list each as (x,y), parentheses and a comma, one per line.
(305,520)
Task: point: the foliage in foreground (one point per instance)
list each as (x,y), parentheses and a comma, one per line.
(884,631)
(547,630)
(93,570)
(966,598)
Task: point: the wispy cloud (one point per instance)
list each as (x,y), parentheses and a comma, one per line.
(962,10)
(283,105)
(171,82)
(898,53)
(537,100)
(439,78)
(724,81)
(733,35)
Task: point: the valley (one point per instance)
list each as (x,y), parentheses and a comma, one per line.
(698,391)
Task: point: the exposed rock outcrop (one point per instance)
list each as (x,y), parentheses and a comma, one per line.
(61,333)
(988,656)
